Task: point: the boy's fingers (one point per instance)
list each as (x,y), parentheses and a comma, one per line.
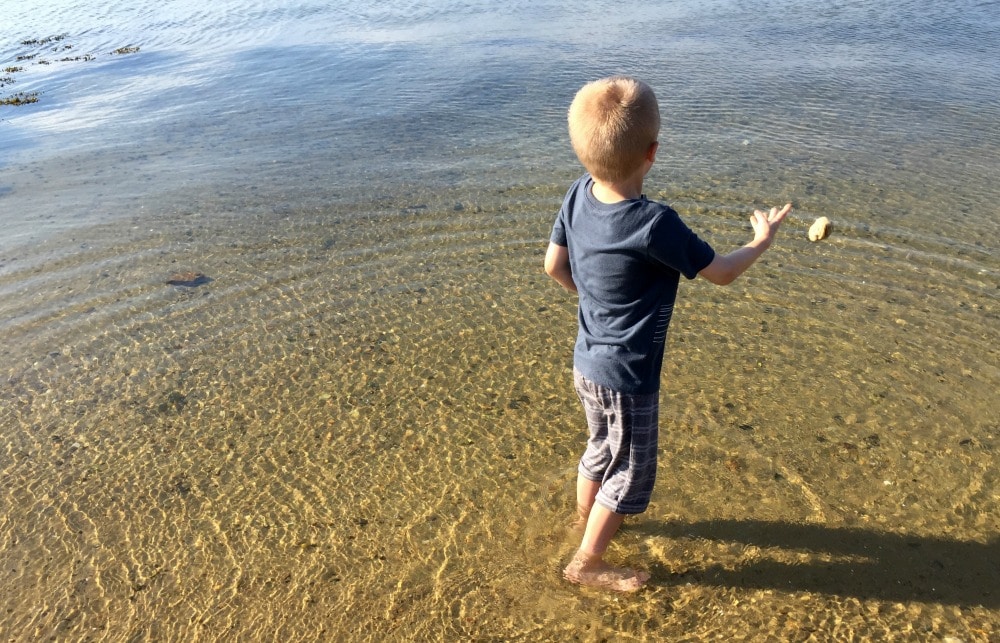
(776,216)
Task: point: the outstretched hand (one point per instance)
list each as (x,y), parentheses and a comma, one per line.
(765,225)
(725,268)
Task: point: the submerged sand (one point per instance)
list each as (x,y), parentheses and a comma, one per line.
(363,428)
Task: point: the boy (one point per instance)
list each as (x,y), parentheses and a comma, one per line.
(624,256)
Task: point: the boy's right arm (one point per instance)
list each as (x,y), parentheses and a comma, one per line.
(724,269)
(557,266)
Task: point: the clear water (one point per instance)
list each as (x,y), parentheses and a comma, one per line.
(363,427)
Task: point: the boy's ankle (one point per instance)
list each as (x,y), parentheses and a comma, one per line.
(584,559)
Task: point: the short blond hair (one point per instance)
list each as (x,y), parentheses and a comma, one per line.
(612,123)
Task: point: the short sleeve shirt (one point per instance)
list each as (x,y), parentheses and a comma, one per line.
(626,259)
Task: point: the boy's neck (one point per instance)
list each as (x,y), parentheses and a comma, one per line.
(608,192)
(628,188)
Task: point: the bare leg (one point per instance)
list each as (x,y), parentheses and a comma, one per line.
(588,566)
(586,491)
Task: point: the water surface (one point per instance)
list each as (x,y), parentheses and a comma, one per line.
(363,425)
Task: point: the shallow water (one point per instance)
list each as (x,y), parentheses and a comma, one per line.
(363,426)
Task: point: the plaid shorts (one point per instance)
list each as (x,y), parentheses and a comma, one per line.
(621,450)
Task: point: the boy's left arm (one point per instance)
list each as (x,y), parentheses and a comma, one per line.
(557,266)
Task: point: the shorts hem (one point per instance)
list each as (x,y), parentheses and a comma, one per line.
(618,509)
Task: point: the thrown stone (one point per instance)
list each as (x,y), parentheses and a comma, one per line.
(820,229)
(189,279)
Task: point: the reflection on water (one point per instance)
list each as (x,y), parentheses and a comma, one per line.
(362,423)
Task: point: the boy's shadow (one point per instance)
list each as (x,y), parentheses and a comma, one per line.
(847,562)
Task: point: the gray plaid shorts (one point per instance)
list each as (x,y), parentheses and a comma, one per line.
(621,450)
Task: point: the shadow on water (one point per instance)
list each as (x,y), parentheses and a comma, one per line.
(845,562)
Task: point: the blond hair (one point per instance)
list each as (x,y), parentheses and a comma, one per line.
(612,123)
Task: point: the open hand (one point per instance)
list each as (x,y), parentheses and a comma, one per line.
(765,225)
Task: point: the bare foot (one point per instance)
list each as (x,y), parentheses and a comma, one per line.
(594,572)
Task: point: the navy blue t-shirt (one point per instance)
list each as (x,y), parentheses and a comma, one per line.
(627,259)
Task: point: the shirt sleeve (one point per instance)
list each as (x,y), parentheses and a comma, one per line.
(558,235)
(677,246)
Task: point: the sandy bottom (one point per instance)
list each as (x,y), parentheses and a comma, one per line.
(363,428)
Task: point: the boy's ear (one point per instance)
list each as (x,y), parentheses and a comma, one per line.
(651,152)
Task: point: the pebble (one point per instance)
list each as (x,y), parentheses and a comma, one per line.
(820,229)
(189,279)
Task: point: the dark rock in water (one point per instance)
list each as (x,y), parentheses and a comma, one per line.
(189,279)
(181,484)
(174,401)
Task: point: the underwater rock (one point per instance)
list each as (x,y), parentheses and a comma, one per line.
(174,401)
(820,229)
(189,279)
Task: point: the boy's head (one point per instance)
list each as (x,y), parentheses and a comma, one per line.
(612,124)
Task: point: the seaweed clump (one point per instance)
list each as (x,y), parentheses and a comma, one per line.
(44,41)
(20,98)
(25,98)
